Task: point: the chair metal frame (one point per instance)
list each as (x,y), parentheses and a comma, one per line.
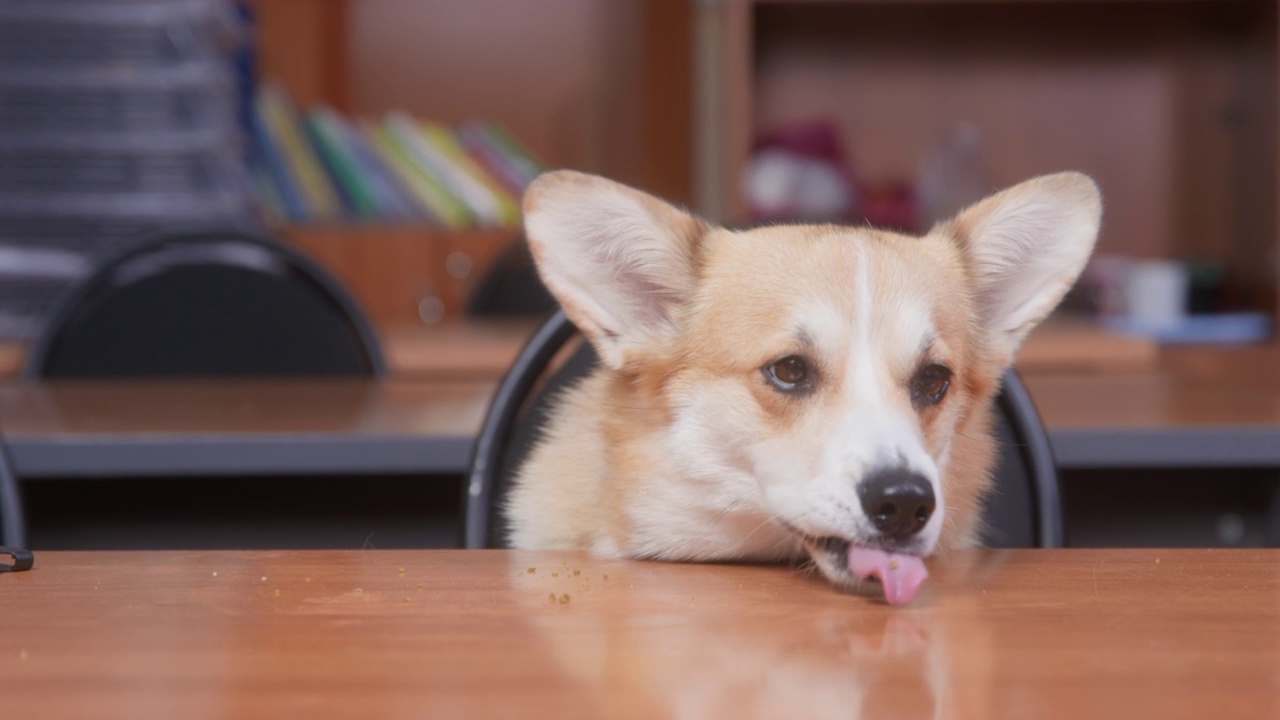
(13,533)
(11,516)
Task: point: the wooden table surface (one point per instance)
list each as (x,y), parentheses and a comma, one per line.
(476,349)
(245,427)
(251,407)
(374,634)
(1192,387)
(1199,407)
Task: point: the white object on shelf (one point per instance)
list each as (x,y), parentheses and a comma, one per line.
(953,176)
(1214,329)
(1155,293)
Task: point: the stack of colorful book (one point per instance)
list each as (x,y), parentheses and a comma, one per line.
(320,167)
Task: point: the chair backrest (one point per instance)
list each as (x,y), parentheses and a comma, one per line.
(1024,510)
(12,527)
(209,304)
(511,286)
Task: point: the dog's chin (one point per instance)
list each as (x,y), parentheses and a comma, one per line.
(831,556)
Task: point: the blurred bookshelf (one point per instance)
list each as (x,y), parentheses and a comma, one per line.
(117,120)
(1170,106)
(126,119)
(408,214)
(404,274)
(411,76)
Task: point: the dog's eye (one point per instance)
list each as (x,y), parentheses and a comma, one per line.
(930,384)
(789,374)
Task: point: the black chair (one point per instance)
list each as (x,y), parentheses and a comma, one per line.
(13,536)
(1025,510)
(208,304)
(511,287)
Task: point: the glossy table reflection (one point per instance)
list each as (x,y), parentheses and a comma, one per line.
(1021,634)
(308,427)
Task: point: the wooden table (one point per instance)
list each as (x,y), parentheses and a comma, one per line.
(1013,634)
(472,349)
(1198,408)
(211,428)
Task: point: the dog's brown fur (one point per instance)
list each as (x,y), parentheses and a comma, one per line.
(685,315)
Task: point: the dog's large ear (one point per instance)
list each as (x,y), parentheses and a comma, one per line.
(1025,247)
(620,262)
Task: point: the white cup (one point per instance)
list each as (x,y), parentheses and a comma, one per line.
(1155,293)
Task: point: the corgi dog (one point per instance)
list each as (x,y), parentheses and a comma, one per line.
(789,390)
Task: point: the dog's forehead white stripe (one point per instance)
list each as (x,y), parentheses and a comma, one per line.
(875,333)
(875,338)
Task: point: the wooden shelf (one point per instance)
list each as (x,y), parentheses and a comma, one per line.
(404,274)
(1171,106)
(603,86)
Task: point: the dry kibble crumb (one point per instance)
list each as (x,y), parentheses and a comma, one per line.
(215,573)
(551,597)
(420,586)
(264,578)
(893,564)
(406,599)
(606,576)
(1157,562)
(555,574)
(531,570)
(576,573)
(564,599)
(401,571)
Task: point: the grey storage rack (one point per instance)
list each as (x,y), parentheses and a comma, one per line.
(118,119)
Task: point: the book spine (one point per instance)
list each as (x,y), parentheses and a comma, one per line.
(268,148)
(497,166)
(424,186)
(415,144)
(395,200)
(273,208)
(306,167)
(343,169)
(525,162)
(444,139)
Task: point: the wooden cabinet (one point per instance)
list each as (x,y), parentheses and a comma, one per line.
(598,85)
(1171,106)
(404,274)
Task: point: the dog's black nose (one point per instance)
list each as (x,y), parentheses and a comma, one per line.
(898,501)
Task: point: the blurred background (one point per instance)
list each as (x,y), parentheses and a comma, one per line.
(389,140)
(325,118)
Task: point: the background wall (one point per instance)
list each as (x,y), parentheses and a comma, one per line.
(562,75)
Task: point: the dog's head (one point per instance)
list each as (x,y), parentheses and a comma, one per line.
(819,375)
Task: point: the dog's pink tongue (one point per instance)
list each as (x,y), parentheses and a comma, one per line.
(900,574)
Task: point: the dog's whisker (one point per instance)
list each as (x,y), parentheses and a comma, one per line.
(725,511)
(764,523)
